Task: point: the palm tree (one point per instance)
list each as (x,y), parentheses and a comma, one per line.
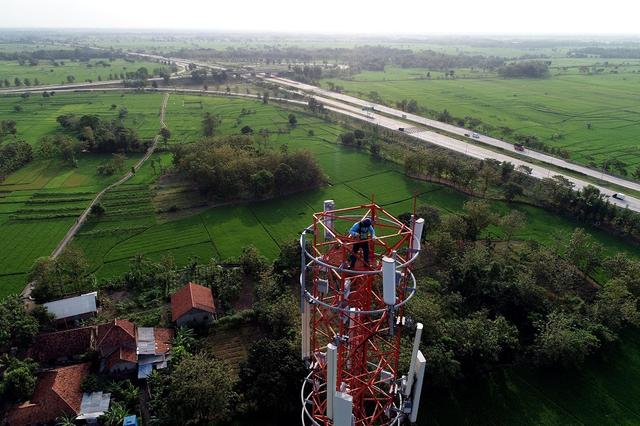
(185,338)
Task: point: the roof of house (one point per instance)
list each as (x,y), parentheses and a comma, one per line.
(191,296)
(57,393)
(122,354)
(115,334)
(73,306)
(164,336)
(93,405)
(62,344)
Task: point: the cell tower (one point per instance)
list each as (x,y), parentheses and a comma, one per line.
(353,318)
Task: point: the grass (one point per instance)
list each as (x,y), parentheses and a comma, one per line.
(134,225)
(560,105)
(41,201)
(602,392)
(233,345)
(47,72)
(38,115)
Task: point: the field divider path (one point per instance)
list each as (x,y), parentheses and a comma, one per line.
(26,292)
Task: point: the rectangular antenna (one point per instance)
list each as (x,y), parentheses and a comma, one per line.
(414,356)
(306,334)
(332,364)
(422,365)
(328,221)
(417,233)
(343,409)
(389,280)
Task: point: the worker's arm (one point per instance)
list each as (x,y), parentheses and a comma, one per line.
(353,232)
(373,231)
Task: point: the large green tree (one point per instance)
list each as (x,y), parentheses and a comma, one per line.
(17,326)
(199,390)
(273,364)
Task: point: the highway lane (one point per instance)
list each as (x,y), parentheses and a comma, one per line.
(354,109)
(558,162)
(468,149)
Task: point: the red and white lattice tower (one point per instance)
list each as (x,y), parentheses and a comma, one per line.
(353,318)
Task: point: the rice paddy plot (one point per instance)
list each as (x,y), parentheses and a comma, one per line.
(96,244)
(161,238)
(346,165)
(234,227)
(342,195)
(22,242)
(11,284)
(283,218)
(390,187)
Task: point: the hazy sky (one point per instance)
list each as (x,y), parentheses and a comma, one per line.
(352,16)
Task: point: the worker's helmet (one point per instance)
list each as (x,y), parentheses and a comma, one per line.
(366,222)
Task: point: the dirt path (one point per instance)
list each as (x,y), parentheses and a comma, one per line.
(26,292)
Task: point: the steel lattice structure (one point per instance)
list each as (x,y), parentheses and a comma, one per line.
(352,321)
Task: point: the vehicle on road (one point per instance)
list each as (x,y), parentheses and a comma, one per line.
(476,136)
(404,115)
(467,134)
(401,129)
(619,196)
(518,147)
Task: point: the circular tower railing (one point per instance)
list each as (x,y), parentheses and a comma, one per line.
(353,315)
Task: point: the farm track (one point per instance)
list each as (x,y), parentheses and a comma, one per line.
(26,292)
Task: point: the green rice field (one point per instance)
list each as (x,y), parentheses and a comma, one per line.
(130,226)
(558,110)
(41,201)
(56,72)
(38,115)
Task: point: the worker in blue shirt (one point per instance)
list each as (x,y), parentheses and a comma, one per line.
(361,230)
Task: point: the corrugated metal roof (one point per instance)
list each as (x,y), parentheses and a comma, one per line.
(93,405)
(150,359)
(73,306)
(146,341)
(146,334)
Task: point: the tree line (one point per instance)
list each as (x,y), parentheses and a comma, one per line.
(13,156)
(486,305)
(495,179)
(80,54)
(232,167)
(99,135)
(373,58)
(525,69)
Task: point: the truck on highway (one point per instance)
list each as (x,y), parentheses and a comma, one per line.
(619,196)
(401,129)
(518,147)
(475,135)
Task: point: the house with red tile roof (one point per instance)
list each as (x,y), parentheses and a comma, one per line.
(63,346)
(117,342)
(57,393)
(192,304)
